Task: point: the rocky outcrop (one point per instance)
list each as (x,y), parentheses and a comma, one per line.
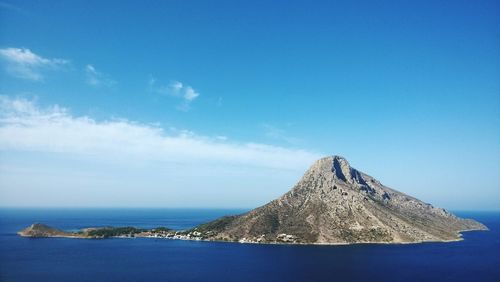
(334,203)
(38,230)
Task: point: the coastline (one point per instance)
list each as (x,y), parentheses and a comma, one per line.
(186,238)
(144,255)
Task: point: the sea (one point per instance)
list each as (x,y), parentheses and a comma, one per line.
(477,258)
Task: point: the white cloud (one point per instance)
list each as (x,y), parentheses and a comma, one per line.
(176,89)
(190,94)
(278,134)
(22,63)
(96,78)
(26,127)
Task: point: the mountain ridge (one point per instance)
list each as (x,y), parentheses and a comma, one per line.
(334,203)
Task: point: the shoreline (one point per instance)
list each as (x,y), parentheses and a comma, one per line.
(76,236)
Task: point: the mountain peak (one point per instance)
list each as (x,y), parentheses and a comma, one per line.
(341,168)
(337,165)
(339,158)
(335,203)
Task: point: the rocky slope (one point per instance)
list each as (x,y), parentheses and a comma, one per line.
(334,203)
(39,230)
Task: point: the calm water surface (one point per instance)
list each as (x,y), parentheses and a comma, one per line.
(477,258)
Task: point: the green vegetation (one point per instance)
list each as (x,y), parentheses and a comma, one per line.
(161,229)
(216,225)
(106,232)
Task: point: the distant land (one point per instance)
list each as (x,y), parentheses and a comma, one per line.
(333,203)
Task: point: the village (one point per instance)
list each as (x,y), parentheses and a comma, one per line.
(171,234)
(198,236)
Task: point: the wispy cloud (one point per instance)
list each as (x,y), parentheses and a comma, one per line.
(23,63)
(279,134)
(96,78)
(24,126)
(219,102)
(175,89)
(8,6)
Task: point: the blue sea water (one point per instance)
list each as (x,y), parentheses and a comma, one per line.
(477,258)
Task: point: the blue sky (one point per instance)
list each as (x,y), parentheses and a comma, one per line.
(226,103)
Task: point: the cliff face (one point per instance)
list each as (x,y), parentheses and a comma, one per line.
(335,203)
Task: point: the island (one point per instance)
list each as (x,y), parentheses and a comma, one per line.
(39,230)
(333,203)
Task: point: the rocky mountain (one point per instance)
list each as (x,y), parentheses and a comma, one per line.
(42,230)
(334,203)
